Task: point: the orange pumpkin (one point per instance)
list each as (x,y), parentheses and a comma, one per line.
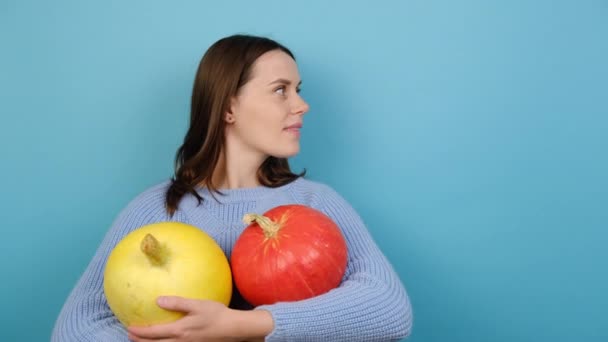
(292,252)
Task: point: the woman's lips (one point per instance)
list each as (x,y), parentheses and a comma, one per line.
(294,129)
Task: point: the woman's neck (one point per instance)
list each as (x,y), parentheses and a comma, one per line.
(237,170)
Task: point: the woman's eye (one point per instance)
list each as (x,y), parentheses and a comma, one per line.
(280,91)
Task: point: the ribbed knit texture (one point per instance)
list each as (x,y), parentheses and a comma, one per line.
(371,304)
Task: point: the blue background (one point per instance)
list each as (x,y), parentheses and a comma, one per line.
(470,135)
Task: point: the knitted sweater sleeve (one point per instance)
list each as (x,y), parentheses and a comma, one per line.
(371,303)
(85,315)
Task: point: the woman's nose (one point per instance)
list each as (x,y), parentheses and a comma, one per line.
(301,107)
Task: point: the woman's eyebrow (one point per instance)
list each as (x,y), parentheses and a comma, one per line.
(284,81)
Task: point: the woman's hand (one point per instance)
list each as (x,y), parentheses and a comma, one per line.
(205,321)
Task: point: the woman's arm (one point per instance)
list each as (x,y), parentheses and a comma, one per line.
(371,304)
(86,315)
(205,320)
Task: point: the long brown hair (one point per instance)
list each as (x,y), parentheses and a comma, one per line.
(223,70)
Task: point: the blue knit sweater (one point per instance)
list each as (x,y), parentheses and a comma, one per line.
(371,304)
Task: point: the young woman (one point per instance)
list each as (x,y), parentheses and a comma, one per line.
(246,117)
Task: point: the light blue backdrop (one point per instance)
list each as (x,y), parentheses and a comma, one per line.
(470,135)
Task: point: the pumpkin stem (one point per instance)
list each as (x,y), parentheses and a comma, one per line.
(269,227)
(153,250)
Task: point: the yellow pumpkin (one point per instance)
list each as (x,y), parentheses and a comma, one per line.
(166,258)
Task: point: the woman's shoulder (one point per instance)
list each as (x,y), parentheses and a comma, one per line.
(152,195)
(325,198)
(306,184)
(313,191)
(149,202)
(146,207)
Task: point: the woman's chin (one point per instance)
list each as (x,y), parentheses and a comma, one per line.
(287,152)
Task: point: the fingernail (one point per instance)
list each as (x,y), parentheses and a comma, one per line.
(161,300)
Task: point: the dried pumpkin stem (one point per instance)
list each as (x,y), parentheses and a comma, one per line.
(269,227)
(153,250)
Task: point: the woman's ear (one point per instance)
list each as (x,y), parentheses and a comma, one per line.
(229,115)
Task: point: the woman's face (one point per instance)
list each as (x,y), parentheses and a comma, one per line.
(266,115)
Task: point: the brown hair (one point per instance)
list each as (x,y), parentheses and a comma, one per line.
(223,70)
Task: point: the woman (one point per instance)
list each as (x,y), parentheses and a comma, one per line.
(246,116)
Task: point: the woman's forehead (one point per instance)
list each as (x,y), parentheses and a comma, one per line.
(275,65)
